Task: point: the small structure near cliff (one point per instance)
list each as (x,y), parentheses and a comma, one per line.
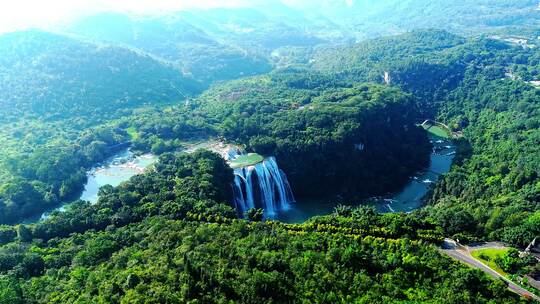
(534,248)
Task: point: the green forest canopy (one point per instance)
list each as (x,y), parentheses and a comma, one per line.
(170,235)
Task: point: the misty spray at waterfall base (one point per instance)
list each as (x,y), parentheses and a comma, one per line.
(262,185)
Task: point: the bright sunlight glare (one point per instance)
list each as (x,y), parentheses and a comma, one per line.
(23,14)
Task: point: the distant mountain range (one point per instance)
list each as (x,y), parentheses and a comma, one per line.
(114,59)
(52,76)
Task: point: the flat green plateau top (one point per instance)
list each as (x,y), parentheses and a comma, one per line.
(436,130)
(249,159)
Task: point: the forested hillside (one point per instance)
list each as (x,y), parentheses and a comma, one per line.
(52,77)
(267,25)
(414,61)
(479,86)
(292,80)
(312,124)
(174,39)
(164,237)
(54,93)
(497,183)
(372,18)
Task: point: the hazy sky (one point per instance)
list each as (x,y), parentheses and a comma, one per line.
(20,14)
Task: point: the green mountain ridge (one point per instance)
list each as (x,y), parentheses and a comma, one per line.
(176,40)
(52,76)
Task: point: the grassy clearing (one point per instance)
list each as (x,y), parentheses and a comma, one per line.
(488,256)
(249,159)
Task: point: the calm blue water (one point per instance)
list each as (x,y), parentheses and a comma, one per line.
(113,171)
(406,200)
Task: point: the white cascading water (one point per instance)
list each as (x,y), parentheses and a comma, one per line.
(273,190)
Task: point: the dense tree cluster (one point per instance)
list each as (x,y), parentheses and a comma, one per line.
(341,120)
(183,42)
(492,189)
(142,242)
(57,98)
(54,77)
(497,184)
(332,139)
(52,174)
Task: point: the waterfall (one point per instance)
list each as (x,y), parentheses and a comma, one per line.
(239,199)
(263,185)
(243,183)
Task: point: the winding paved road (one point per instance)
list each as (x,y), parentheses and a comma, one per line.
(462,253)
